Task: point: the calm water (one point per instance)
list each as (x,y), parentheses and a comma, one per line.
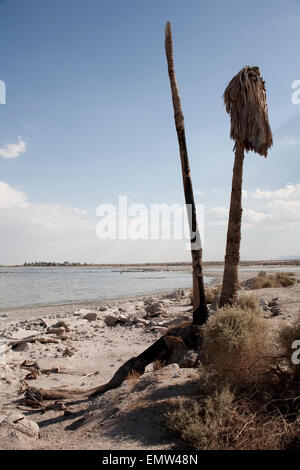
(40,286)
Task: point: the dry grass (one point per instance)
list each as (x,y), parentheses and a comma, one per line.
(133,378)
(225,421)
(248,302)
(200,424)
(288,335)
(212,294)
(263,280)
(249,389)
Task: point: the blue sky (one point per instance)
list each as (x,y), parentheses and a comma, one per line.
(89,108)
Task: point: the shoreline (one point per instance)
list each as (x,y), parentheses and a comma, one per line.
(215,273)
(184,265)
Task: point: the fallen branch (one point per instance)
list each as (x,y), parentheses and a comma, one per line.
(32,339)
(167,349)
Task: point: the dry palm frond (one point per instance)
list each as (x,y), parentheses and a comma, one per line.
(245,101)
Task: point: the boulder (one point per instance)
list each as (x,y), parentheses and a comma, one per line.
(153,309)
(127,308)
(56,331)
(16,421)
(61,324)
(111,319)
(91,316)
(123,318)
(175,321)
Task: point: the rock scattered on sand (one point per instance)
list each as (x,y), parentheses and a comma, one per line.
(91,316)
(17,422)
(111,319)
(154,307)
(56,331)
(127,308)
(176,321)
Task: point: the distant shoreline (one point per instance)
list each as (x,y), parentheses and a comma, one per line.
(159,266)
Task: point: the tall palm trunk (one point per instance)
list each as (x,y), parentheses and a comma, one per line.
(200,311)
(232,257)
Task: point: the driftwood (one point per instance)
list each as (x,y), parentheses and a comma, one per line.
(167,349)
(31,339)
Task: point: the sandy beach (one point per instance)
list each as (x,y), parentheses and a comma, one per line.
(90,342)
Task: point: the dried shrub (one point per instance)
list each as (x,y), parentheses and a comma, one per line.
(288,335)
(248,302)
(262,280)
(238,345)
(201,424)
(248,395)
(212,293)
(133,378)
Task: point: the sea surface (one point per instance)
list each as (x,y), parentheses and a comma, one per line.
(20,287)
(45,286)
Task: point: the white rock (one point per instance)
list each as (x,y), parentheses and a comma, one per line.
(18,422)
(103,308)
(141,320)
(171,368)
(83,311)
(149,367)
(123,318)
(127,308)
(56,331)
(153,309)
(140,305)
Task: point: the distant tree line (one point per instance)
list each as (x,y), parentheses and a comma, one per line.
(53,263)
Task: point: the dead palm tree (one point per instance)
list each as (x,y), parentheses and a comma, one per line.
(245,101)
(200,311)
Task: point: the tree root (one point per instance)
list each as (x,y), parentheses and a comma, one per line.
(167,349)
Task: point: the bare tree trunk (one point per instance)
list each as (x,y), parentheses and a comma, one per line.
(232,257)
(200,311)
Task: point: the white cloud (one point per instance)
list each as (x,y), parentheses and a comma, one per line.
(290,191)
(219,212)
(10,197)
(251,217)
(217,223)
(199,193)
(20,219)
(11,150)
